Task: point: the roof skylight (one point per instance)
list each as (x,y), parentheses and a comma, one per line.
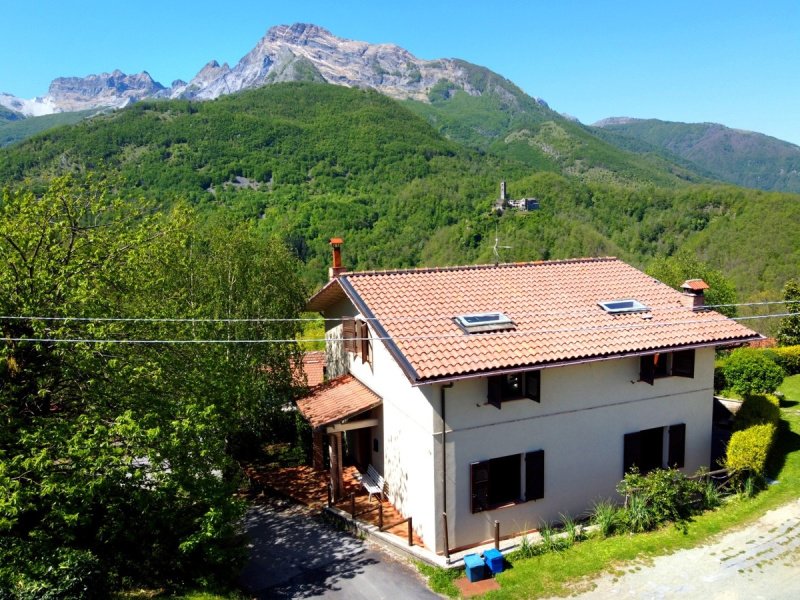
(616,307)
(484,322)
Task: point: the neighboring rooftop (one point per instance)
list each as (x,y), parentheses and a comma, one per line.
(337,400)
(554,306)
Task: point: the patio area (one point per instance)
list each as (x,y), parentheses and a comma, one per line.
(309,486)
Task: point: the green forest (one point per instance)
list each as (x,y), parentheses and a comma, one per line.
(223,210)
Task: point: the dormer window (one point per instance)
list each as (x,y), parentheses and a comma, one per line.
(620,307)
(484,322)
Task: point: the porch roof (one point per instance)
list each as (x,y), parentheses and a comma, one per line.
(337,400)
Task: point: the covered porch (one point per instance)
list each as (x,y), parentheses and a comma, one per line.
(346,417)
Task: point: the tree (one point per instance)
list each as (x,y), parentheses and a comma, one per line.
(751,371)
(789,332)
(674,270)
(115,458)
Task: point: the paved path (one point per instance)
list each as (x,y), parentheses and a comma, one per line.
(761,560)
(294,555)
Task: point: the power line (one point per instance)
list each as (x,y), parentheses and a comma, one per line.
(383,319)
(516,333)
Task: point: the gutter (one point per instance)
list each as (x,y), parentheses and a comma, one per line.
(577,361)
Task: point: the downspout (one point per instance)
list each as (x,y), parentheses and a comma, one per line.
(444,463)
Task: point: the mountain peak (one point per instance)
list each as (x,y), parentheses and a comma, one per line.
(296,33)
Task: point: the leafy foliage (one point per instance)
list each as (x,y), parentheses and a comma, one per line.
(788,357)
(661,496)
(748,449)
(789,334)
(115,458)
(758,409)
(750,371)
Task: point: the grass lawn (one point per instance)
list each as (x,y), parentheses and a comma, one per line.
(563,573)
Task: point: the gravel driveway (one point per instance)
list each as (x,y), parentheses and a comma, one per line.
(294,555)
(761,560)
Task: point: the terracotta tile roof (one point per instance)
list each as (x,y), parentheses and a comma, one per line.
(554,306)
(336,400)
(313,368)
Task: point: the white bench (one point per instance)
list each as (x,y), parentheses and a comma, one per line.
(373,482)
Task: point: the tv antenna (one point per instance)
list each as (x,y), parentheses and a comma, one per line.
(496,249)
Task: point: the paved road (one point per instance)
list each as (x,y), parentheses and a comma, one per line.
(294,555)
(761,560)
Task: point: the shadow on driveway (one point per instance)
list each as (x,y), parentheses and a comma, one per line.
(295,554)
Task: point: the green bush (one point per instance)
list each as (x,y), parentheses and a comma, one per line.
(719,376)
(661,496)
(606,516)
(752,371)
(757,409)
(788,357)
(35,571)
(748,449)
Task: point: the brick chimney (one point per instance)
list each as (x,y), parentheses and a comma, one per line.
(694,293)
(336,268)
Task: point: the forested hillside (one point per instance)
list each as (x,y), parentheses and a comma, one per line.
(312,161)
(744,158)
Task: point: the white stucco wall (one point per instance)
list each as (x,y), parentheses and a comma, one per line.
(585,412)
(405,453)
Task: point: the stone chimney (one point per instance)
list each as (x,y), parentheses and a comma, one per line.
(503,190)
(336,268)
(694,293)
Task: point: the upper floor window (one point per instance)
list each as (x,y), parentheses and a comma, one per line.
(666,364)
(514,386)
(356,336)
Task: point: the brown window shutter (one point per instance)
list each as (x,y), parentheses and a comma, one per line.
(677,445)
(647,369)
(534,475)
(479,483)
(349,334)
(365,342)
(495,393)
(533,385)
(683,363)
(632,451)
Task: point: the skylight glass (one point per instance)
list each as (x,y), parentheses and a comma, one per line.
(623,306)
(484,322)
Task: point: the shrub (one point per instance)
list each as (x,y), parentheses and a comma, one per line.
(751,371)
(719,376)
(660,496)
(606,516)
(757,409)
(748,449)
(788,357)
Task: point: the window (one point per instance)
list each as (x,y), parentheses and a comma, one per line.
(356,336)
(617,307)
(666,364)
(484,322)
(514,386)
(645,449)
(506,480)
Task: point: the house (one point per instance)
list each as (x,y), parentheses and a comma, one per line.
(513,392)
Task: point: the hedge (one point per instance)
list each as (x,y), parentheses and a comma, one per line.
(748,449)
(787,357)
(752,371)
(758,409)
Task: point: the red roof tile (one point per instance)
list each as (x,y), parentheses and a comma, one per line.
(313,368)
(336,400)
(553,304)
(696,285)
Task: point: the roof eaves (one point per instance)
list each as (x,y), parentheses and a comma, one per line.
(396,353)
(581,360)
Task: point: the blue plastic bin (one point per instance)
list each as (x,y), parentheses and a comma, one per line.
(476,568)
(494,560)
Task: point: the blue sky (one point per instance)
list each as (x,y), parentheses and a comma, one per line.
(736,63)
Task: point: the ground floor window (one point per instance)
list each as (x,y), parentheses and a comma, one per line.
(645,449)
(506,480)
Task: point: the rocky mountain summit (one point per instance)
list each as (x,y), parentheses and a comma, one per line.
(299,52)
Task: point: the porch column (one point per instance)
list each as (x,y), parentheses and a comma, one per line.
(318,450)
(337,481)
